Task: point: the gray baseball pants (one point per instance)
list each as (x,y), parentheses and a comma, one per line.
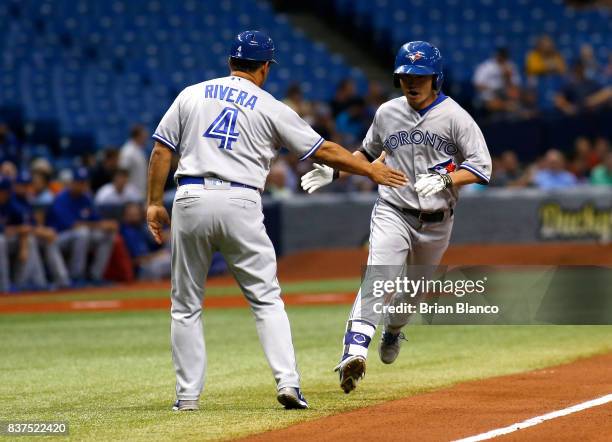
(77,243)
(30,272)
(228,219)
(400,246)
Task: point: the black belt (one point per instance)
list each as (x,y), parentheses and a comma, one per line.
(428,217)
(200,180)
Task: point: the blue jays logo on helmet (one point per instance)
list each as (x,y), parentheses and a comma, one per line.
(419,58)
(415,56)
(253,45)
(444,167)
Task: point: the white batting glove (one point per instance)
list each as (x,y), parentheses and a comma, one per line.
(429,184)
(320,176)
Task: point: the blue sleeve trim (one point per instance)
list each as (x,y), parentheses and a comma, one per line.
(164,141)
(479,174)
(313,149)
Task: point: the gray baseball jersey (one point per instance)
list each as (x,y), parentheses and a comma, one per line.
(440,139)
(232,129)
(229,129)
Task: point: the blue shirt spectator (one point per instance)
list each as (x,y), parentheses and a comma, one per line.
(553,175)
(11,214)
(547,179)
(138,240)
(70,208)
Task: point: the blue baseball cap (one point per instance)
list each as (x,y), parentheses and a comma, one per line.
(253,45)
(5,183)
(80,174)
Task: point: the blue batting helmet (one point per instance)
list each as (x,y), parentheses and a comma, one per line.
(253,45)
(419,58)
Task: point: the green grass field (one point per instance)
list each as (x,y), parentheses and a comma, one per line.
(110,374)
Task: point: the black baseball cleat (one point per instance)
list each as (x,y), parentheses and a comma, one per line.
(351,370)
(389,346)
(186,405)
(292,398)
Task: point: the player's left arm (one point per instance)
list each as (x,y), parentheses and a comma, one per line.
(476,167)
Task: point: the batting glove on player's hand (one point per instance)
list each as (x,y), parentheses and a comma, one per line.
(320,176)
(431,183)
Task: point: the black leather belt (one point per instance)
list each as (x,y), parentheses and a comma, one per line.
(200,180)
(428,217)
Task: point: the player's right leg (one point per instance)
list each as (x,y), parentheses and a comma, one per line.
(390,243)
(251,259)
(192,218)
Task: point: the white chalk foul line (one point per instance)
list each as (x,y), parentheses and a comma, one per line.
(538,419)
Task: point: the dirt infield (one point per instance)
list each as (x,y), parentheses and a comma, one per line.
(319,264)
(471,408)
(108,305)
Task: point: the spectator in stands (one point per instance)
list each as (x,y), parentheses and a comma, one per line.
(552,174)
(345,94)
(601,147)
(80,228)
(497,82)
(17,244)
(324,123)
(544,59)
(105,169)
(592,68)
(41,193)
(375,97)
(276,182)
(352,122)
(8,169)
(583,149)
(46,237)
(580,94)
(509,172)
(295,100)
(133,158)
(9,146)
(118,192)
(602,175)
(150,260)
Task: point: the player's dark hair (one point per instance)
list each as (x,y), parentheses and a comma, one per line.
(239,64)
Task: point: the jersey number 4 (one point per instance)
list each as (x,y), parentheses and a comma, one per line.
(224,128)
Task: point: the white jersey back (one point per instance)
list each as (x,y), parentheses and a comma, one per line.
(231,129)
(440,138)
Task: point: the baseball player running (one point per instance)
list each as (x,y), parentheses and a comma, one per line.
(439,147)
(227,131)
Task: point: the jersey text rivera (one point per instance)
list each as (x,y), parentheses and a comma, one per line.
(228,94)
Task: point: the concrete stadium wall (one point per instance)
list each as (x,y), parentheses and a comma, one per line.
(492,216)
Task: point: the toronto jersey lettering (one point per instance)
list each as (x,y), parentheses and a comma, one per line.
(232,129)
(441,138)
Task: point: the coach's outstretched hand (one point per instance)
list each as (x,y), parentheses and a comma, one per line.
(384,175)
(380,173)
(157,218)
(320,176)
